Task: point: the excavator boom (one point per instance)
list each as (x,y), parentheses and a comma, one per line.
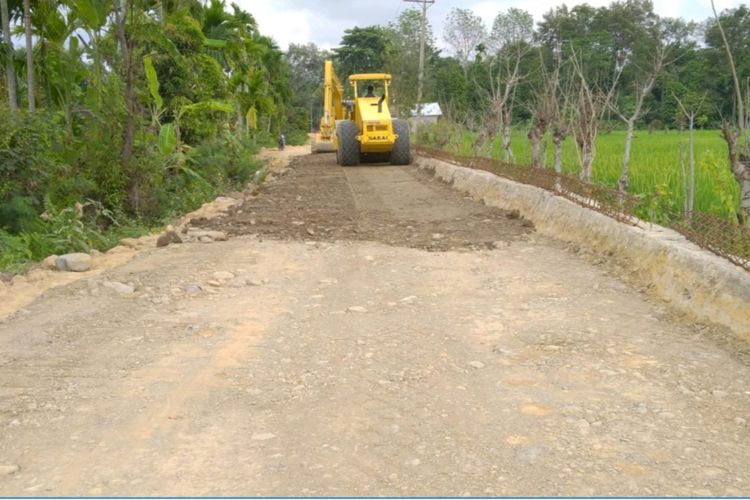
(333,94)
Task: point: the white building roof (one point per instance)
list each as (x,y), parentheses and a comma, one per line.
(428,109)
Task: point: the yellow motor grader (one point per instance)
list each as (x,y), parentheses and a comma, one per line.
(361,127)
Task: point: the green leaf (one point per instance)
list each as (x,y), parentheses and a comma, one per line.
(204,106)
(167,139)
(252,118)
(153,81)
(192,173)
(213,43)
(93,13)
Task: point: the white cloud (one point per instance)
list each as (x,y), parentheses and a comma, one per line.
(284,24)
(323,21)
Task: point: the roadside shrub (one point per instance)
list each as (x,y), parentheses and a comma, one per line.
(226,161)
(30,165)
(75,228)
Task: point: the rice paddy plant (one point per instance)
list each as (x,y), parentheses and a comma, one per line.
(655,166)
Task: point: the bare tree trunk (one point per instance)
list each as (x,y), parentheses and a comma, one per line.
(478,144)
(29,54)
(98,69)
(508,153)
(535,139)
(691,193)
(588,108)
(543,153)
(744,214)
(740,169)
(739,162)
(128,140)
(586,129)
(624,181)
(505,133)
(684,181)
(739,101)
(129,134)
(690,115)
(588,153)
(557,140)
(488,146)
(644,91)
(488,129)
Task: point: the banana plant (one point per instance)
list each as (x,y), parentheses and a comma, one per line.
(153,87)
(169,144)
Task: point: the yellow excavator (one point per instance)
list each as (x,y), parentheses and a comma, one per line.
(362,127)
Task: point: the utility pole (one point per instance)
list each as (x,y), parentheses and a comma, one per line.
(426,4)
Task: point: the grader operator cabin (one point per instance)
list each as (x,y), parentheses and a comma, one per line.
(362,127)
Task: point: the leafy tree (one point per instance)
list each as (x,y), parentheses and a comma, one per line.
(134,96)
(306,66)
(363,50)
(451,88)
(403,60)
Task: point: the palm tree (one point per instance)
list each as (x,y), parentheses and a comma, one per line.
(92,17)
(29,53)
(10,72)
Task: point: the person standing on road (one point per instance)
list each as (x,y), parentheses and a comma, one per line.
(282,142)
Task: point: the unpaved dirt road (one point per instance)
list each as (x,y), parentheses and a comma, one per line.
(367,331)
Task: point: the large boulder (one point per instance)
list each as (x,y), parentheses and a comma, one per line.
(75,262)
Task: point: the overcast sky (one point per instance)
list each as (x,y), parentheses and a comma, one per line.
(323,21)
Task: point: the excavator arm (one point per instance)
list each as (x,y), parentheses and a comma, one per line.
(333,109)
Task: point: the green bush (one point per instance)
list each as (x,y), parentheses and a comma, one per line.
(191,177)
(75,228)
(30,164)
(59,195)
(297,137)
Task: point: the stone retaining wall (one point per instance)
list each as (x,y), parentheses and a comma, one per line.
(693,280)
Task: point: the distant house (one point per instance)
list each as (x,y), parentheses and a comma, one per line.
(430,113)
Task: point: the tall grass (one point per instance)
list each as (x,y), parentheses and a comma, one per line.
(654,164)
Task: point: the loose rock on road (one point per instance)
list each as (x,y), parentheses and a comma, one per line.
(367,331)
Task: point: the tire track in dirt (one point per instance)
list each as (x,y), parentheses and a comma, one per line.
(317,200)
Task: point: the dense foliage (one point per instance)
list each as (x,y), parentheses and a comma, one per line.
(141,110)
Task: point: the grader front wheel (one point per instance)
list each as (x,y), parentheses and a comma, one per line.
(401,153)
(348,152)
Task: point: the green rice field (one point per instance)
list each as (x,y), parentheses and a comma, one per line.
(655,166)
